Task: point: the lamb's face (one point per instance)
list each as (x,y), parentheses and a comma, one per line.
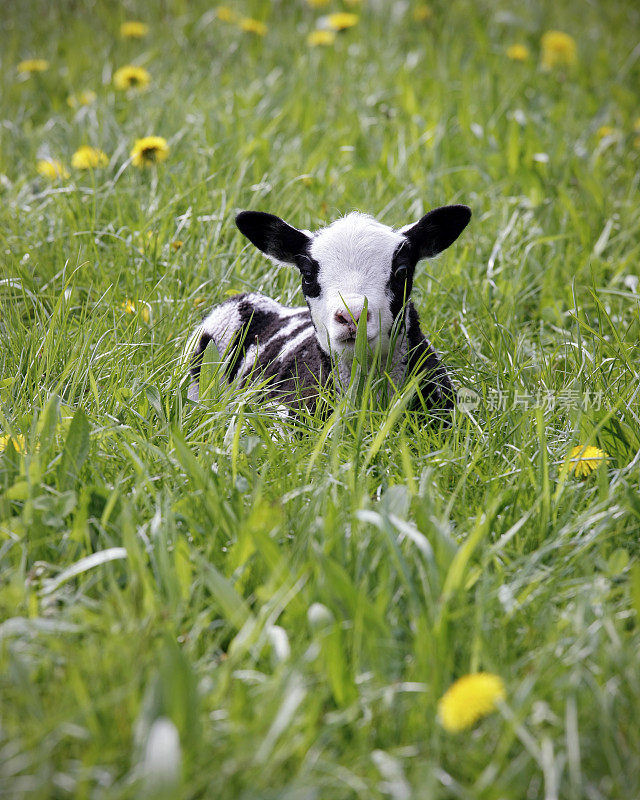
(347,263)
(352,260)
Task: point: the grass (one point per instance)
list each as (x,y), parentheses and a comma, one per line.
(295,599)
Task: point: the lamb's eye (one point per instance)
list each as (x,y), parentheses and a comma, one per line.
(309,274)
(306,271)
(305,266)
(401,271)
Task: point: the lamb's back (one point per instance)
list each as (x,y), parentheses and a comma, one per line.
(257,337)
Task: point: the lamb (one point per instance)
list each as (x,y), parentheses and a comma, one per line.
(355,262)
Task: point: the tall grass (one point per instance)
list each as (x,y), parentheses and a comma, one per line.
(296,596)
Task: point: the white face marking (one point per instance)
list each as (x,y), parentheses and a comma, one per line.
(355,256)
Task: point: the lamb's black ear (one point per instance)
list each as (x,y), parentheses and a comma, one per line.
(272,235)
(437,230)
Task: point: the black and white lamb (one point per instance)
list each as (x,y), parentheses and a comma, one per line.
(353,259)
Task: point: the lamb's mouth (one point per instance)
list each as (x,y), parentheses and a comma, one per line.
(350,340)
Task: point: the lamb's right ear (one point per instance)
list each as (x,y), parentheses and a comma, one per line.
(272,235)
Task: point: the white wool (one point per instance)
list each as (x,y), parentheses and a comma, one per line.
(221,324)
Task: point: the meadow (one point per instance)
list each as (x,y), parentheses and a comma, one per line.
(203,601)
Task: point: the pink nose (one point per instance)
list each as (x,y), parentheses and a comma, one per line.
(350,320)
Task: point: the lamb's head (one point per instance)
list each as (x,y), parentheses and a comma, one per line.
(355,258)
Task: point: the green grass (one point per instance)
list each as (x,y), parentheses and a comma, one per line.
(296,598)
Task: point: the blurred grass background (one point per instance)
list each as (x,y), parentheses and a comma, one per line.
(296,603)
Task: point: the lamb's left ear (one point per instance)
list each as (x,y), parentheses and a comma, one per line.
(437,230)
(272,235)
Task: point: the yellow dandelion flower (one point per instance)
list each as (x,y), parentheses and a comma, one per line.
(422,13)
(606,130)
(469,699)
(19,442)
(200,301)
(87,157)
(134,30)
(583,460)
(176,244)
(250,25)
(317,3)
(149,150)
(518,52)
(83,98)
(131,77)
(341,21)
(325,38)
(33,65)
(52,169)
(147,239)
(558,50)
(130,308)
(226,14)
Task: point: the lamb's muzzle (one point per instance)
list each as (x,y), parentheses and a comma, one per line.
(348,320)
(353,261)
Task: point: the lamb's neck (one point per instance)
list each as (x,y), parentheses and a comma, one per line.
(398,367)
